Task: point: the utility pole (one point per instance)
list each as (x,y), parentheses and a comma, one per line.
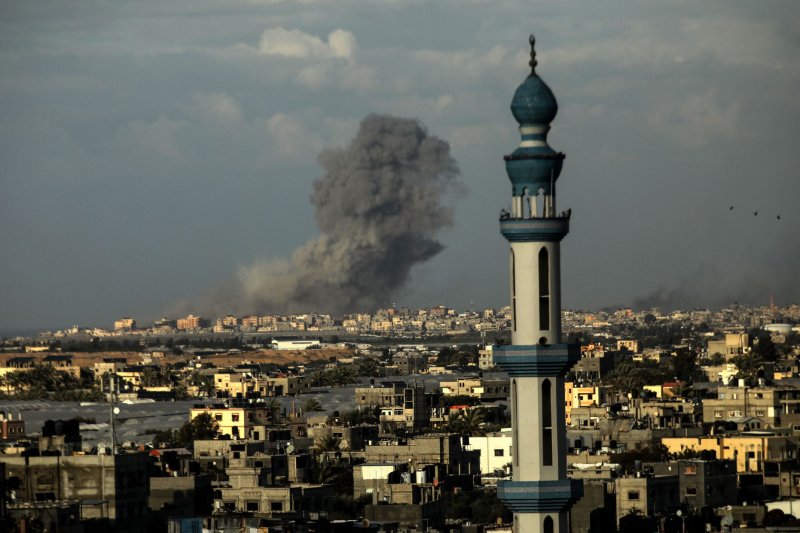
(113,411)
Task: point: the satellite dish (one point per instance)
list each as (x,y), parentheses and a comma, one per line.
(116,410)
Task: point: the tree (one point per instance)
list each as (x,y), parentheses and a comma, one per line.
(201,427)
(329,443)
(763,347)
(468,422)
(312,405)
(684,366)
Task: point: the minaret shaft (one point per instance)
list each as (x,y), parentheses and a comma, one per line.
(535,293)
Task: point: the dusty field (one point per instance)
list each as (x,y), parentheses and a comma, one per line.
(262,356)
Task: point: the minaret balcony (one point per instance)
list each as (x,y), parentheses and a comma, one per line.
(550,229)
(540,496)
(539,360)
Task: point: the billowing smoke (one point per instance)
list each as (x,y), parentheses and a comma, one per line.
(752,278)
(379,207)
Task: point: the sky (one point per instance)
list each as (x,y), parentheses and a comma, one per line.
(152,150)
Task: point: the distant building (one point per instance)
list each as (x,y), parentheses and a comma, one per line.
(484,389)
(294,344)
(629,345)
(125,324)
(11,429)
(236,422)
(191,322)
(733,345)
(749,450)
(486,358)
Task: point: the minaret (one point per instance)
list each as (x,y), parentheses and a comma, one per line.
(536,361)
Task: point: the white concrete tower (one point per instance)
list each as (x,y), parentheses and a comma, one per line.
(540,493)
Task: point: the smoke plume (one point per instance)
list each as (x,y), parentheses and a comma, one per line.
(379,207)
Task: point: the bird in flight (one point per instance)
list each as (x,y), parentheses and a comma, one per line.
(755,213)
(731,209)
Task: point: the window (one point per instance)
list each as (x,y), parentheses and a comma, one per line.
(251,506)
(276,506)
(513,292)
(235,417)
(515,426)
(691,491)
(218,417)
(499,453)
(544,289)
(548,525)
(547,425)
(633,494)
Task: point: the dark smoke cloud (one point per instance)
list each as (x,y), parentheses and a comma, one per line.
(379,208)
(750,278)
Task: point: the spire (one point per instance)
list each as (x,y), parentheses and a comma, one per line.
(532,62)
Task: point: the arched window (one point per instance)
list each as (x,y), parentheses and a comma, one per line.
(513,292)
(544,289)
(548,525)
(547,424)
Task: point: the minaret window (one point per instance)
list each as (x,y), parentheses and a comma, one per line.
(515,456)
(513,292)
(547,424)
(544,289)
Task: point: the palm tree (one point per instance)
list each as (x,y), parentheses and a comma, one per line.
(273,406)
(468,422)
(312,404)
(329,443)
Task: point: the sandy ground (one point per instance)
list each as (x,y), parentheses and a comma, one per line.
(223,360)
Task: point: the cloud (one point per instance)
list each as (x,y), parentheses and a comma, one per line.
(295,43)
(698,119)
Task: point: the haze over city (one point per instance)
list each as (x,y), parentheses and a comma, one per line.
(152,153)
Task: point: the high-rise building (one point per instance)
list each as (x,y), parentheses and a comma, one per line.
(539,493)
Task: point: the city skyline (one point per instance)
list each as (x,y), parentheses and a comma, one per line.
(151,152)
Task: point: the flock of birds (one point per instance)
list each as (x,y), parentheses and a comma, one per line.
(755,213)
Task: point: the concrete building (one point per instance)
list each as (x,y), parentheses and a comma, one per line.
(402,406)
(486,357)
(120,482)
(294,344)
(446,453)
(191,322)
(649,495)
(733,345)
(778,406)
(749,450)
(484,389)
(702,483)
(236,422)
(536,361)
(495,450)
(11,428)
(125,324)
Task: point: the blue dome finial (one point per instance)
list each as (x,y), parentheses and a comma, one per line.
(534,165)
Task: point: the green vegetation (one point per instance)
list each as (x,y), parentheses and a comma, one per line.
(201,427)
(46,382)
(480,507)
